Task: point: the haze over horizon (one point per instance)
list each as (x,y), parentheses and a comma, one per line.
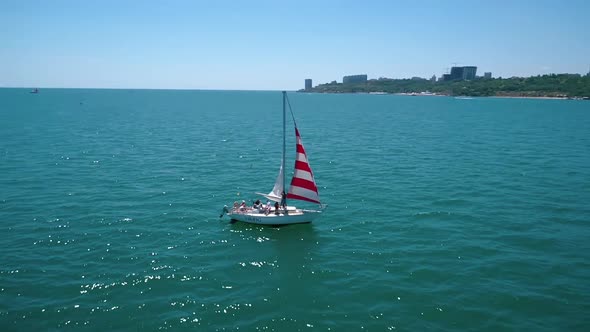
(267,45)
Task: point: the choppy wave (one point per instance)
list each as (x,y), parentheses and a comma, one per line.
(442,215)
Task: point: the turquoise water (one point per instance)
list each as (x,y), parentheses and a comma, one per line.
(444,214)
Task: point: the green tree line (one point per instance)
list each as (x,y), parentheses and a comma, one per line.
(554,85)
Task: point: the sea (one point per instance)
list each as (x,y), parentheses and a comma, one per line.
(442,214)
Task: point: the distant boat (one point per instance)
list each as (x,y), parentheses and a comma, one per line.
(463,97)
(303,187)
(35,90)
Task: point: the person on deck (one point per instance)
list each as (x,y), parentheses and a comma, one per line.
(284,200)
(276,208)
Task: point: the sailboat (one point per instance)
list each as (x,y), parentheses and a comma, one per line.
(302,187)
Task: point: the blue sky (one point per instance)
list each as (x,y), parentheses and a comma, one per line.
(273,45)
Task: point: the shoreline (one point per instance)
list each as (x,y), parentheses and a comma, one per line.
(536,97)
(417,94)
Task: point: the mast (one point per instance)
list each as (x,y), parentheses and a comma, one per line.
(284,193)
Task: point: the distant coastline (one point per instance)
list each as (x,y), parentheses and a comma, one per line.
(496,96)
(446,95)
(554,86)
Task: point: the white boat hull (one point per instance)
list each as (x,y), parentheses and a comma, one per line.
(295,216)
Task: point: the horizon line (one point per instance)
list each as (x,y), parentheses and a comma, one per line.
(115,88)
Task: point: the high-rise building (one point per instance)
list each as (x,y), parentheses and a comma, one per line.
(456,73)
(308,84)
(462,73)
(469,72)
(487,75)
(354,79)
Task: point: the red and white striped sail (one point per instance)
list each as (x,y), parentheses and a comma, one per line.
(303,185)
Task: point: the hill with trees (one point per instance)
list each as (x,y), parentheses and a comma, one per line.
(554,85)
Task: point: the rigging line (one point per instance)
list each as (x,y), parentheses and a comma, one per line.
(291,111)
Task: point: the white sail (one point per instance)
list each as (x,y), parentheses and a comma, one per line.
(276,193)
